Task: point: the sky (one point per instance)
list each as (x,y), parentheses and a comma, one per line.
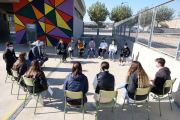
(134,4)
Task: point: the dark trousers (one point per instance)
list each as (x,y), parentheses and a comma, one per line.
(8,68)
(122,58)
(73,102)
(81,51)
(101,50)
(42,60)
(64,54)
(71,53)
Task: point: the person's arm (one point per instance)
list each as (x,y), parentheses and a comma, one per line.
(157,79)
(95,82)
(94,45)
(115,48)
(79,46)
(43,80)
(128,52)
(132,85)
(65,83)
(86,87)
(7,58)
(109,47)
(106,47)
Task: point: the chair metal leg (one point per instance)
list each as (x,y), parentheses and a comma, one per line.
(12,87)
(132,112)
(49,97)
(36,103)
(123,103)
(170,101)
(56,57)
(25,100)
(148,110)
(159,106)
(18,92)
(6,78)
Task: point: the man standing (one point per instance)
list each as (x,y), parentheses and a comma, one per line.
(92,47)
(9,57)
(37,53)
(102,48)
(125,52)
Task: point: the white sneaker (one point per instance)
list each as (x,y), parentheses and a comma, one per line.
(122,64)
(41,100)
(122,101)
(119,63)
(94,56)
(102,58)
(88,56)
(113,60)
(93,104)
(99,57)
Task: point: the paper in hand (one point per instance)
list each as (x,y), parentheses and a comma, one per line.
(50,91)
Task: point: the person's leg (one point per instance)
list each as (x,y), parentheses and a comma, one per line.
(103,52)
(123,58)
(120,57)
(113,55)
(81,51)
(99,52)
(94,51)
(110,53)
(89,51)
(46,59)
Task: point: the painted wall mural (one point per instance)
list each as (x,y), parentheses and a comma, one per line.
(54,19)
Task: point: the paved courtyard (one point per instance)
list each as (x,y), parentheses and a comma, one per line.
(56,74)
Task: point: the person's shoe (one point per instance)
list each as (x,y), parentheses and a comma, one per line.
(119,63)
(94,56)
(113,60)
(99,57)
(88,56)
(102,58)
(41,100)
(110,59)
(122,64)
(93,104)
(122,101)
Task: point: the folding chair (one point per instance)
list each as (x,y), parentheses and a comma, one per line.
(60,56)
(107,106)
(7,76)
(168,83)
(74,95)
(140,91)
(15,74)
(30,82)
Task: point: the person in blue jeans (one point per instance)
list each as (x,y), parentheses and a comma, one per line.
(92,47)
(112,50)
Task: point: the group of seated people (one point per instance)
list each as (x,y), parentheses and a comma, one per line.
(24,66)
(104,80)
(63,49)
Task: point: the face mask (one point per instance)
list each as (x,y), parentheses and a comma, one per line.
(156,66)
(38,45)
(92,41)
(27,58)
(10,48)
(112,42)
(102,41)
(125,46)
(61,41)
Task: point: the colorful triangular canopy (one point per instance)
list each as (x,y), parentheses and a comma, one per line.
(25,19)
(48,8)
(37,13)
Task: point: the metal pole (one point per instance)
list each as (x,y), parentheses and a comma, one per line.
(137,32)
(130,27)
(152,27)
(124,28)
(178,50)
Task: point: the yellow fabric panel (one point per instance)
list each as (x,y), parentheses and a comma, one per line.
(17,21)
(48,42)
(47,8)
(42,25)
(61,23)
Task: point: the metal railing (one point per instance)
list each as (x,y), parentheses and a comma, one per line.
(151,29)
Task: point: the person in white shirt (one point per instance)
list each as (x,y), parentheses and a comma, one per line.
(102,48)
(112,50)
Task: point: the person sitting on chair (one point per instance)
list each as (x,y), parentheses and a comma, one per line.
(37,53)
(125,52)
(9,57)
(160,78)
(103,81)
(102,48)
(80,47)
(75,82)
(70,48)
(112,50)
(136,78)
(39,79)
(20,66)
(61,49)
(92,47)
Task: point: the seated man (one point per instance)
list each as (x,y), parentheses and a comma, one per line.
(70,48)
(102,48)
(103,81)
(125,52)
(80,47)
(37,53)
(92,47)
(9,57)
(161,76)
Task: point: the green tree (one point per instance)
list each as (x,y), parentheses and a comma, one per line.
(98,13)
(120,12)
(146,17)
(164,13)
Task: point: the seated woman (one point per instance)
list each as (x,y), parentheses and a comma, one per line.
(39,79)
(136,78)
(112,50)
(75,82)
(61,49)
(20,66)
(80,47)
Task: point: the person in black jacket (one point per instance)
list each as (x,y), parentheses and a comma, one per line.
(125,52)
(103,81)
(20,65)
(39,78)
(61,49)
(161,76)
(9,57)
(136,78)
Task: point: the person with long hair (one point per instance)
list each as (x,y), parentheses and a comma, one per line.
(20,65)
(61,49)
(136,78)
(112,50)
(76,82)
(39,79)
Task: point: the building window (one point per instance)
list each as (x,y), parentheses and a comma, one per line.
(77,13)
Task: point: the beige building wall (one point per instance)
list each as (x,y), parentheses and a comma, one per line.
(175,23)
